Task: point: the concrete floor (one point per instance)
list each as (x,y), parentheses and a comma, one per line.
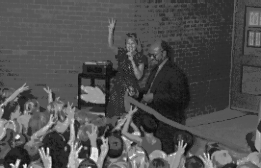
(229,126)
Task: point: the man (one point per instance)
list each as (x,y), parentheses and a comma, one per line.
(166,91)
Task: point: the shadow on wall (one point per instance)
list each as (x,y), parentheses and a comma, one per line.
(186,95)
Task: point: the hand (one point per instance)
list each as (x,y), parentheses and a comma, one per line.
(70,111)
(73,157)
(23,88)
(48,91)
(130,56)
(111,24)
(104,146)
(17,164)
(52,120)
(181,148)
(207,160)
(46,158)
(148,97)
(93,135)
(132,111)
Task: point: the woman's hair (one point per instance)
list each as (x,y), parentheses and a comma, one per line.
(14,154)
(194,162)
(149,123)
(187,138)
(54,110)
(135,38)
(116,145)
(88,163)
(159,163)
(37,122)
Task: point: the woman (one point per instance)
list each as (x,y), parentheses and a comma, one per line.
(130,70)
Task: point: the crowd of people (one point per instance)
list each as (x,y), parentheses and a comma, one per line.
(127,137)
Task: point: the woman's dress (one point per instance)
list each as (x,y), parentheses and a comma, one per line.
(124,79)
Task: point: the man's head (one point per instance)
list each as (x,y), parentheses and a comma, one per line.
(115,145)
(158,51)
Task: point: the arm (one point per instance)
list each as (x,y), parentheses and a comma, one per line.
(40,133)
(138,70)
(125,132)
(110,37)
(110,42)
(72,132)
(93,137)
(43,131)
(135,128)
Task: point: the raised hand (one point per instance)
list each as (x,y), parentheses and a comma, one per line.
(207,160)
(52,120)
(93,135)
(47,90)
(181,148)
(70,110)
(132,111)
(23,88)
(17,164)
(104,146)
(111,24)
(73,157)
(46,158)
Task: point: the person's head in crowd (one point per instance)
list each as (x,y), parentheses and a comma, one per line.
(7,92)
(159,163)
(158,52)
(85,151)
(31,106)
(116,145)
(14,154)
(247,165)
(221,158)
(58,148)
(230,165)
(88,163)
(132,42)
(37,121)
(56,108)
(187,138)
(11,110)
(194,162)
(149,124)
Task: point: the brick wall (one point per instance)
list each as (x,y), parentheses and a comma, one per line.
(200,33)
(44,42)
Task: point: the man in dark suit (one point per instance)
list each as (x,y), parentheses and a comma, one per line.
(166,91)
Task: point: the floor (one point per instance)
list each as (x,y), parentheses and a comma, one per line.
(228,126)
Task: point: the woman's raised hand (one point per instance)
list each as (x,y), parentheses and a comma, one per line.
(111,24)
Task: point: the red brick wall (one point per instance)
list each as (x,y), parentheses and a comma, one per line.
(45,42)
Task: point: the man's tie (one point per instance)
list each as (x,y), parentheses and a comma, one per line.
(152,77)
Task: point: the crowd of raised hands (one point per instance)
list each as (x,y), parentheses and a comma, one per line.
(67,140)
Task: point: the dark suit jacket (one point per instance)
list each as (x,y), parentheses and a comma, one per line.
(170,92)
